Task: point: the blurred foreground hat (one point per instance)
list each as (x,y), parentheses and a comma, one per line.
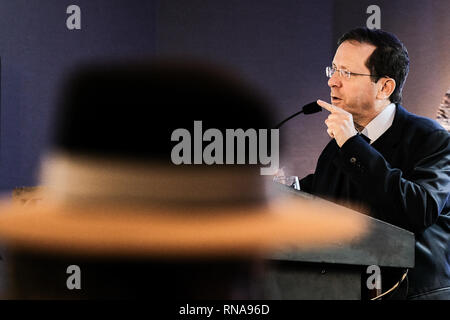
(111,187)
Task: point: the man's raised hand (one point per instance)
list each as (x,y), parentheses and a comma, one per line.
(339,123)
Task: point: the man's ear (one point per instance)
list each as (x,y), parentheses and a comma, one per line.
(387,86)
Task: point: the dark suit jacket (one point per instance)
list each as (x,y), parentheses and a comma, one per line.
(403,178)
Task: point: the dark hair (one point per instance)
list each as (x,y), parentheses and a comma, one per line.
(390,57)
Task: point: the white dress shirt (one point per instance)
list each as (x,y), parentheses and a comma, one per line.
(380,123)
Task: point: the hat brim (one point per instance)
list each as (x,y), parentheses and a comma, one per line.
(178,232)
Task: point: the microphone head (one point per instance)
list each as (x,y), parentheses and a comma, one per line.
(312,107)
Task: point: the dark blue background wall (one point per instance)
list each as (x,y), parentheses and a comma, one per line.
(283,46)
(36,48)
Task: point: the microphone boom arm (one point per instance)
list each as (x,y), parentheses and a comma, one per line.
(287,119)
(310,108)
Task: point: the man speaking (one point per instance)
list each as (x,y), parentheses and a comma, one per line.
(386,159)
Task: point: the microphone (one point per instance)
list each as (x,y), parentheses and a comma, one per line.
(310,108)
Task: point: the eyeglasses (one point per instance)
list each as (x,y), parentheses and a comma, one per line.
(329,71)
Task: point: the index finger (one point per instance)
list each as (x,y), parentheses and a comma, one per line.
(327,106)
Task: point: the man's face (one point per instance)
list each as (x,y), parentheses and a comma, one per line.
(356,95)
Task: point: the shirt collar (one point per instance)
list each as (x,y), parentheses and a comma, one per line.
(380,123)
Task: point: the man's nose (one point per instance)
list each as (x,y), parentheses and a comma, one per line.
(335,80)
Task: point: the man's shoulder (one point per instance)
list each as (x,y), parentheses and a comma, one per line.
(419,125)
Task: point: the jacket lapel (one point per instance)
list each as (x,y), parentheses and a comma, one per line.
(391,138)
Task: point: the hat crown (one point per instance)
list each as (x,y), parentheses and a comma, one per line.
(131,109)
